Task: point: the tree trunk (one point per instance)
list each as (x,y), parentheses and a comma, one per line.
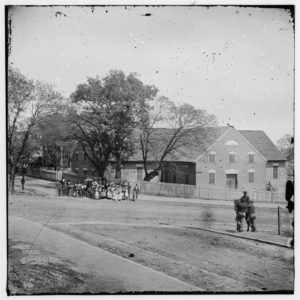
(151,175)
(12,176)
(118,167)
(100,171)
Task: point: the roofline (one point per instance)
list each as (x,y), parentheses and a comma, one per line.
(277,160)
(155,161)
(270,141)
(221,136)
(251,144)
(224,133)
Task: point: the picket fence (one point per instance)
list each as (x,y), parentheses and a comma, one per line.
(190,191)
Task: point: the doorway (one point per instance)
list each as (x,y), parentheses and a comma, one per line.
(231,181)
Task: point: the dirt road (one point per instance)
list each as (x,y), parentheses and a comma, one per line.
(153,234)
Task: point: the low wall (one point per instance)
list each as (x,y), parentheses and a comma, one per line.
(54,175)
(43,174)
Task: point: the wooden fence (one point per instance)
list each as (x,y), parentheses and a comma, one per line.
(171,190)
(190,191)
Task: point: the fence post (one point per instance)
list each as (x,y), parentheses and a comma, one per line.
(271,196)
(279,220)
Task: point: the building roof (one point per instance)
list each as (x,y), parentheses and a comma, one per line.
(192,150)
(263,144)
(187,153)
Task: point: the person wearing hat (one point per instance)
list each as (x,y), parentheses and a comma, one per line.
(245,197)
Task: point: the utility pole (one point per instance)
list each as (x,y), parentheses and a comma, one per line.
(279,220)
(61,157)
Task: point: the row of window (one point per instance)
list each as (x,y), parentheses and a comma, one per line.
(212,158)
(212,175)
(230,181)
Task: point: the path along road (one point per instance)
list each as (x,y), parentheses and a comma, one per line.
(161,240)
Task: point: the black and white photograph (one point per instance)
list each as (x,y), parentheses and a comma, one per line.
(149,149)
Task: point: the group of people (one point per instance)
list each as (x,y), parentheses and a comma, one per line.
(245,209)
(97,190)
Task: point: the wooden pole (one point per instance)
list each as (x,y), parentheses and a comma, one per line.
(279,220)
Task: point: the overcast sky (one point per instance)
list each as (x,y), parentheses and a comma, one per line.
(235,62)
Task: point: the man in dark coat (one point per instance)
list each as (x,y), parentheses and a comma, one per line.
(241,208)
(245,197)
(250,216)
(289,193)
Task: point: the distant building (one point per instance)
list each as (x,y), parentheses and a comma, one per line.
(244,159)
(236,160)
(182,170)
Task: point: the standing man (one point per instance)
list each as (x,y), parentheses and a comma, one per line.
(250,216)
(63,186)
(135,192)
(23,182)
(241,209)
(69,188)
(123,191)
(245,197)
(289,193)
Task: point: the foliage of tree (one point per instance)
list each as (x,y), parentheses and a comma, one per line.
(108,110)
(53,133)
(286,146)
(28,102)
(103,116)
(185,127)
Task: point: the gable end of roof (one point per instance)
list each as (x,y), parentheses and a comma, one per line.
(263,144)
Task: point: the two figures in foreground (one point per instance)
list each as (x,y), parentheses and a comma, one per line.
(245,209)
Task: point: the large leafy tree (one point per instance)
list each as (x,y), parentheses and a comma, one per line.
(88,130)
(53,133)
(28,102)
(108,110)
(185,127)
